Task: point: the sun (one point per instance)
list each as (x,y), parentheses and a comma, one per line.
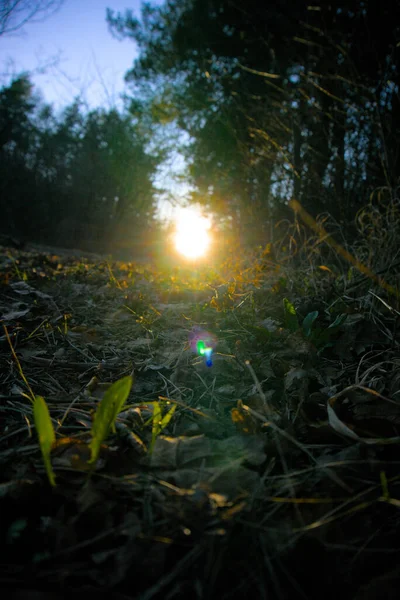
(191,238)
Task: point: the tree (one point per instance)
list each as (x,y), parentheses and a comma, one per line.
(209,54)
(78,179)
(278,98)
(15,14)
(112,172)
(18,137)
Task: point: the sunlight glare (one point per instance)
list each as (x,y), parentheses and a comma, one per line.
(191,235)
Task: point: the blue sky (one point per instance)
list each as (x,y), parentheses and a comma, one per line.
(72,53)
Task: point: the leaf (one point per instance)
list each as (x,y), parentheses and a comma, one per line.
(159,422)
(120,390)
(179,452)
(340,319)
(308,322)
(23,288)
(15,530)
(166,419)
(291,320)
(322,338)
(14,315)
(73,454)
(106,414)
(45,431)
(156,419)
(338,425)
(293,375)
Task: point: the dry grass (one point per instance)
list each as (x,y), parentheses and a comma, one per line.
(279,463)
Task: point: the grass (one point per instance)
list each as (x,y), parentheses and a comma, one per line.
(251,477)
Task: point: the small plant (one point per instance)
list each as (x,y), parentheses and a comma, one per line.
(106,414)
(104,422)
(46,434)
(321,338)
(318,336)
(291,320)
(159,422)
(309,322)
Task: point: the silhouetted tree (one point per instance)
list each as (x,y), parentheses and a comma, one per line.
(279,99)
(18,137)
(74,179)
(15,14)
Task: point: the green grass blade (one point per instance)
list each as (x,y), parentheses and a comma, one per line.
(340,319)
(107,412)
(159,422)
(166,418)
(156,425)
(46,435)
(325,336)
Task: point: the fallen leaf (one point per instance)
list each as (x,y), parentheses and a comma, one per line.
(14,315)
(23,288)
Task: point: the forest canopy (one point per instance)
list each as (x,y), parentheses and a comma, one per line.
(280,100)
(80,179)
(271,101)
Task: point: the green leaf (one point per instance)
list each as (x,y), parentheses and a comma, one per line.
(156,419)
(106,414)
(323,339)
(159,422)
(46,435)
(308,322)
(166,418)
(291,320)
(15,530)
(340,319)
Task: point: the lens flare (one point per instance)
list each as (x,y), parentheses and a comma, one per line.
(203,343)
(191,234)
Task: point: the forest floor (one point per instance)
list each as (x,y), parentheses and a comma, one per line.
(272,473)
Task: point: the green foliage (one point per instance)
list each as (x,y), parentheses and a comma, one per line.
(45,431)
(318,336)
(16,529)
(211,464)
(291,320)
(76,177)
(104,419)
(308,323)
(159,422)
(321,338)
(273,124)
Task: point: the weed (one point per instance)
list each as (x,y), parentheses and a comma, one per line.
(109,408)
(159,422)
(46,435)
